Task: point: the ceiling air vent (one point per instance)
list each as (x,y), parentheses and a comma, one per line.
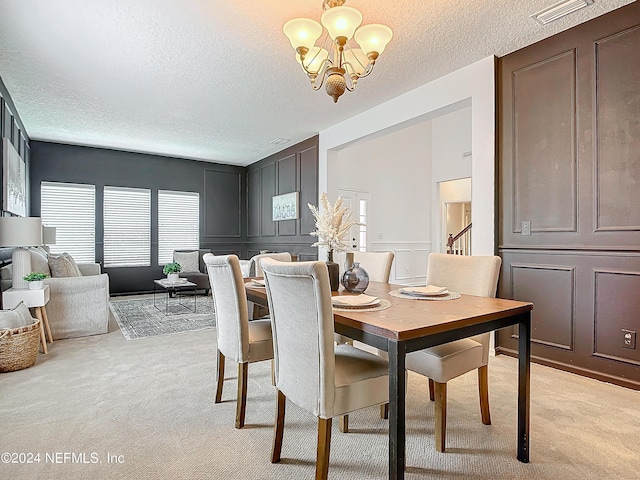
(560,9)
(279,141)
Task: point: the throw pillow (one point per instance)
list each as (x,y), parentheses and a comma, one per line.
(39,262)
(187,260)
(15,318)
(63,266)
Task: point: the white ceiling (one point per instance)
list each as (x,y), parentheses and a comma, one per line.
(217,80)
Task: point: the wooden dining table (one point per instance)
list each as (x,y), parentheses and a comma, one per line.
(413,324)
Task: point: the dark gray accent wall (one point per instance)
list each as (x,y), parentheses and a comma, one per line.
(292,170)
(569,163)
(11,127)
(221,189)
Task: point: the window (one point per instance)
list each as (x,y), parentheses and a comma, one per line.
(71,208)
(178,223)
(362,218)
(127,227)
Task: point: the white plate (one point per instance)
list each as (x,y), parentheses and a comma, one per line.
(428,291)
(361,300)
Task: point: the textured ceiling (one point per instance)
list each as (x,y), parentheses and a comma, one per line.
(217,80)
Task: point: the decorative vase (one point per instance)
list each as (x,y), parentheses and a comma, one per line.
(334,272)
(356,279)
(173,277)
(36,285)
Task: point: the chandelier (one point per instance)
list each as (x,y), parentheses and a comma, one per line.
(337,63)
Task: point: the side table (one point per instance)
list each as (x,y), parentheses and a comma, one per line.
(36,299)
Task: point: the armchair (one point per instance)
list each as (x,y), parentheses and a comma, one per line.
(198,276)
(79,306)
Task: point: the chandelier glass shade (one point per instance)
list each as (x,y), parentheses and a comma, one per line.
(337,63)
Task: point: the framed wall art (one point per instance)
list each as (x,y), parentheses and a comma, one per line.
(14,175)
(285,207)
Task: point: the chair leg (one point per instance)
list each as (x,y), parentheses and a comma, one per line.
(483,387)
(384,411)
(241,405)
(441,415)
(220,377)
(278,430)
(273,372)
(344,423)
(324,445)
(431,392)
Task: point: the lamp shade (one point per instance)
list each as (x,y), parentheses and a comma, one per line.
(373,38)
(313,60)
(302,32)
(341,21)
(49,235)
(355,61)
(20,231)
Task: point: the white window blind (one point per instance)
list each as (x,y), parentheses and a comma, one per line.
(71,208)
(127,227)
(178,223)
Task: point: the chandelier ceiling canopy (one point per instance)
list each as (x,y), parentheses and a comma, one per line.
(337,63)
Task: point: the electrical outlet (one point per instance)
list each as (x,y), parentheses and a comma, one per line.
(629,339)
(380,236)
(526,227)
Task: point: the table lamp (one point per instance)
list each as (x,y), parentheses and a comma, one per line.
(20,232)
(48,235)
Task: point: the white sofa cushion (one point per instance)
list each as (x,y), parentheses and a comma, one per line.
(63,266)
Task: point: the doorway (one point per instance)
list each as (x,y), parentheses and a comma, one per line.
(358,202)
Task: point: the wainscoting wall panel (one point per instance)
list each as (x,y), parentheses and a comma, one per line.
(616,306)
(541,91)
(569,137)
(223,202)
(618,98)
(410,260)
(292,170)
(552,289)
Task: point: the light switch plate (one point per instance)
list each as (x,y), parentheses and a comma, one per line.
(526,227)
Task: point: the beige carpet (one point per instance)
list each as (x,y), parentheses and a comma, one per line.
(149,405)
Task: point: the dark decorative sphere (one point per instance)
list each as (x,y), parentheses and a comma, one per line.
(356,279)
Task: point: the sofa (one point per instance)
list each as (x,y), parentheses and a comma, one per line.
(198,276)
(78,306)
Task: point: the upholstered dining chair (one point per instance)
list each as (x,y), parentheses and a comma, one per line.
(320,377)
(471,275)
(238,339)
(378,267)
(255,270)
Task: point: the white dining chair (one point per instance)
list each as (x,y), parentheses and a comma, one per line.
(255,270)
(320,377)
(238,339)
(470,275)
(378,267)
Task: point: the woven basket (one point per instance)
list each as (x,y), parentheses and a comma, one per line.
(19,347)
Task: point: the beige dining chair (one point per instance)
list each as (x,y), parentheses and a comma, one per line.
(255,270)
(470,275)
(320,377)
(238,339)
(378,267)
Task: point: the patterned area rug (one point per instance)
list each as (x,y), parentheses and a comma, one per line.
(139,318)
